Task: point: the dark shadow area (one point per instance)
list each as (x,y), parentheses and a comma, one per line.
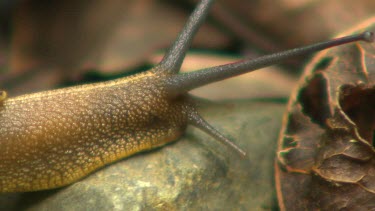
(23,201)
(358,102)
(314,100)
(323,64)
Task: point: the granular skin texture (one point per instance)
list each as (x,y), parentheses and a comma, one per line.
(54,138)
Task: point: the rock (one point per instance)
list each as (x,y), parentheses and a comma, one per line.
(194,173)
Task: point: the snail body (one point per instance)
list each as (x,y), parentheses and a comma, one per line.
(54,138)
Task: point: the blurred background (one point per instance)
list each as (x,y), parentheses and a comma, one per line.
(46,44)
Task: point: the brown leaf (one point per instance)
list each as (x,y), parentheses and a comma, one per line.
(326,155)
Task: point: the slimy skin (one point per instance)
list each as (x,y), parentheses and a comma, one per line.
(54,138)
(51,139)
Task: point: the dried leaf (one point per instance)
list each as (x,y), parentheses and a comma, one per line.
(326,156)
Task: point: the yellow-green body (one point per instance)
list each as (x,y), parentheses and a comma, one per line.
(53,138)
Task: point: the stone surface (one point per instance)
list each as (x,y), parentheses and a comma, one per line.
(194,173)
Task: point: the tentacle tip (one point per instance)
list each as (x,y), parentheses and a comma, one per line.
(368,36)
(238,150)
(243,154)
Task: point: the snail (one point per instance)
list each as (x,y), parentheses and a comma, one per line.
(53,138)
